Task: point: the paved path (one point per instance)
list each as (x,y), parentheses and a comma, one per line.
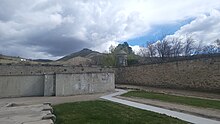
(182,116)
(198,111)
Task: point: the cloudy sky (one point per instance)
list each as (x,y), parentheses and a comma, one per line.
(54,28)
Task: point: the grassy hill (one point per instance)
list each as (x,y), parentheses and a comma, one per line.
(87,53)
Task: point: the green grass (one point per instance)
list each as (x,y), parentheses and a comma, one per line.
(175,99)
(104,112)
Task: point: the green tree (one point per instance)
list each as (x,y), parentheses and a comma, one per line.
(124,47)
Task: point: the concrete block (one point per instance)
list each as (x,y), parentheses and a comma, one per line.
(73,84)
(49,85)
(16,86)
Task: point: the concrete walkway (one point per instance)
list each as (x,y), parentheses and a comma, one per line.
(182,116)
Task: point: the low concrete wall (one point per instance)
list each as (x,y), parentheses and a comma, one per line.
(56,84)
(49,85)
(84,83)
(16,86)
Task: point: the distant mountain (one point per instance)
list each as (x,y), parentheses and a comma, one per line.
(42,60)
(86,53)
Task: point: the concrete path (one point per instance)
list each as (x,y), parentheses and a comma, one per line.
(197,111)
(182,116)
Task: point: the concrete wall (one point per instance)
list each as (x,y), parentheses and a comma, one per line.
(49,85)
(39,80)
(84,83)
(15,86)
(200,74)
(56,84)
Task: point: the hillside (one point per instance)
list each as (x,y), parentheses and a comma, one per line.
(11,59)
(87,53)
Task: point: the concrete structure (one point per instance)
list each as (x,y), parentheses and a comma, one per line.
(49,85)
(121,58)
(19,85)
(72,84)
(80,81)
(26,114)
(200,74)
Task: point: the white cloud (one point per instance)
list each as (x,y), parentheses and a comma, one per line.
(51,28)
(136,49)
(205,28)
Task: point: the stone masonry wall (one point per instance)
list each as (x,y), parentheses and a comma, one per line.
(39,69)
(200,74)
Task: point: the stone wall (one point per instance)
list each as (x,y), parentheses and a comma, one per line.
(47,69)
(200,74)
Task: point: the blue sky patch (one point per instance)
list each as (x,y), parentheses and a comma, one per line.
(158,32)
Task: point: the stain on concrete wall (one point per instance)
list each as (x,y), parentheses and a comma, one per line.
(84,83)
(16,86)
(56,84)
(37,80)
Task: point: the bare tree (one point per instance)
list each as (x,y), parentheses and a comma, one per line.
(177,47)
(163,48)
(218,45)
(111,49)
(189,46)
(143,52)
(151,49)
(198,49)
(210,49)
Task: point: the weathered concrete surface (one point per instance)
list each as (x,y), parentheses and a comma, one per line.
(25,114)
(84,83)
(49,85)
(28,110)
(16,86)
(56,84)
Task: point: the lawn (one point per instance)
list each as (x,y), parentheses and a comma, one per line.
(175,99)
(105,112)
